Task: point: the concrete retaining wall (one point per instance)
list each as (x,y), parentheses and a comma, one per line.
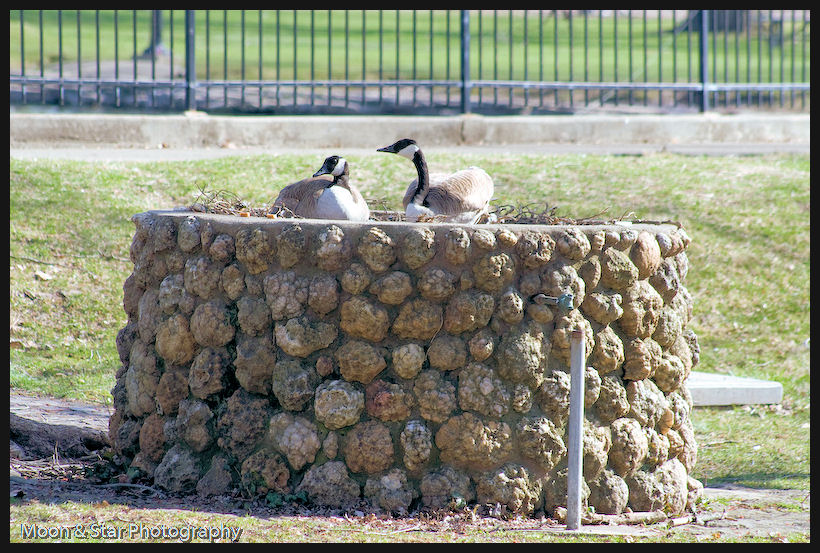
(199,130)
(404,366)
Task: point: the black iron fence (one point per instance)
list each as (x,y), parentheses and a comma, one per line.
(423,62)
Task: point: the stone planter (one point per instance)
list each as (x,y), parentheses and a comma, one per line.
(408,365)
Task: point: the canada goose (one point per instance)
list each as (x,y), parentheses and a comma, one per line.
(461,197)
(327,195)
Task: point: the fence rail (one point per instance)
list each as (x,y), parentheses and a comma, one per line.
(424,62)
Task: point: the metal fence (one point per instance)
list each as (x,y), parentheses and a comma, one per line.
(421,62)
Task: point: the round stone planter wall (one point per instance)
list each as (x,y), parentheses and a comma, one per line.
(405,365)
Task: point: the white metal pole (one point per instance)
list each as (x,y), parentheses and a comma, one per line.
(576,429)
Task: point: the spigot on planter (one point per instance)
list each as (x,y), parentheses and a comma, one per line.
(563,301)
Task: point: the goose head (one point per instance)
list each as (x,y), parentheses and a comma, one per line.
(335,166)
(406,147)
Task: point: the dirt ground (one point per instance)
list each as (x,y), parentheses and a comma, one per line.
(54,442)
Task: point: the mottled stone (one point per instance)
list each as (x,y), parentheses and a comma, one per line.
(141,379)
(297,438)
(391,491)
(212,325)
(435,396)
(617,270)
(540,442)
(482,344)
(331,249)
(330,485)
(467,311)
(408,360)
(293,383)
(559,279)
(666,280)
(149,315)
(301,336)
(253,316)
(194,424)
(535,249)
(201,276)
(291,244)
(209,371)
(360,361)
(613,402)
(597,441)
(494,272)
(218,479)
(338,403)
(469,442)
(264,472)
(387,401)
(641,358)
(603,307)
(484,239)
(368,447)
(447,352)
(522,354)
(608,493)
(173,296)
(457,247)
(356,278)
(223,248)
(255,359)
(377,249)
(446,487)
(573,244)
(629,446)
(179,470)
(418,247)
(152,438)
(510,307)
(645,492)
(188,237)
(232,281)
(171,389)
(416,441)
(481,391)
(255,249)
(418,319)
(562,335)
(242,423)
(511,485)
(672,476)
(647,403)
(642,307)
(553,397)
(286,294)
(392,288)
(437,284)
(365,319)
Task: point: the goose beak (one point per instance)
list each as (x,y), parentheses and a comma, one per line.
(321,171)
(387,149)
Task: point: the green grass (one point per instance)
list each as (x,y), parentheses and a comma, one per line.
(510,47)
(748,218)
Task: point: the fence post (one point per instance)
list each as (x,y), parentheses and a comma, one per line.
(190,59)
(575,452)
(465,61)
(704,60)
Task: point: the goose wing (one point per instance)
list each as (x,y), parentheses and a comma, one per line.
(300,197)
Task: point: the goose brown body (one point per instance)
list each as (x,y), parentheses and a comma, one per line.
(462,196)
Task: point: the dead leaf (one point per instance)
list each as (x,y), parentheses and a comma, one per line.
(40,275)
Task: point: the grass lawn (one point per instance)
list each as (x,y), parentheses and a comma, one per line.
(748,218)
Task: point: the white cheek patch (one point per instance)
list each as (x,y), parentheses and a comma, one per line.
(340,167)
(408,151)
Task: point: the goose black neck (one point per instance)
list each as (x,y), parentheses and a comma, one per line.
(420,195)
